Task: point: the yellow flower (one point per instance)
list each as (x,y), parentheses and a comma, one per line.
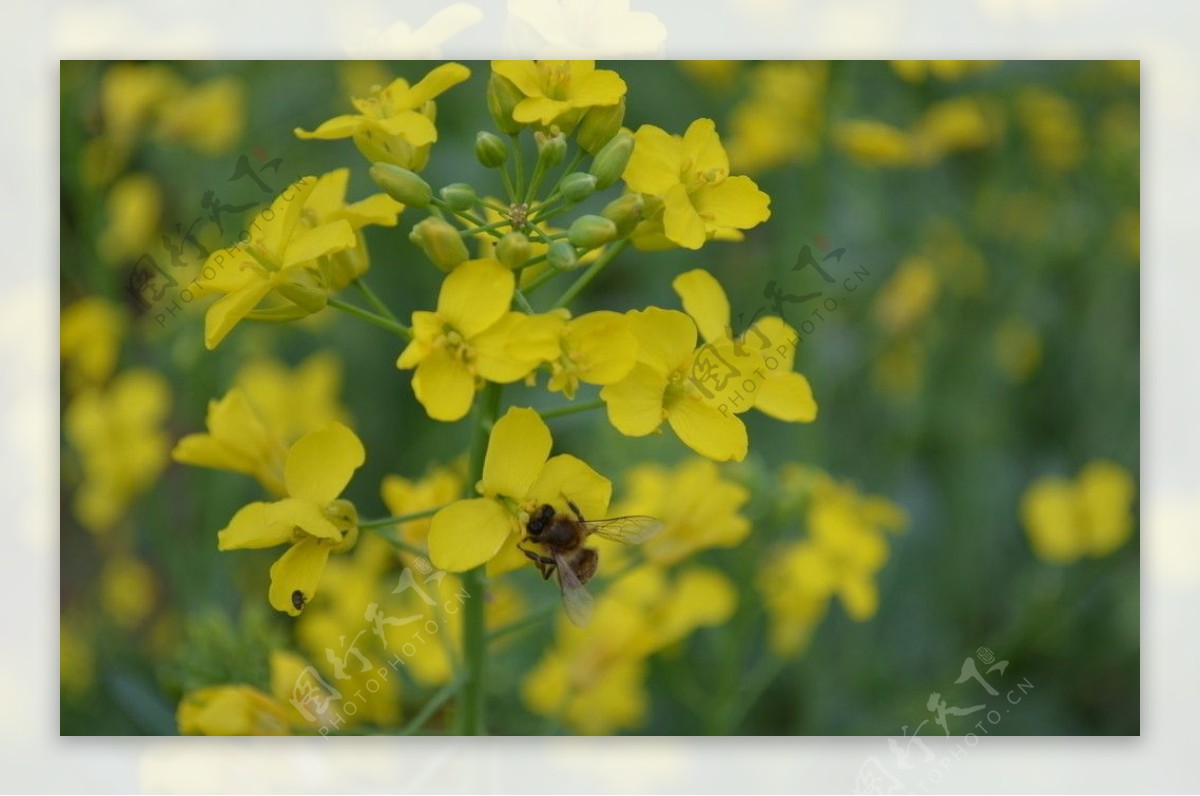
(1053,127)
(121,444)
(874,143)
(952,126)
(130,95)
(689,174)
(279,258)
(311,518)
(946,71)
(1091,516)
(596,348)
(127,591)
(908,296)
(559,92)
(782,121)
(717,75)
(473,336)
(394,124)
(296,401)
(237,440)
(783,393)
(518,476)
(698,391)
(208,117)
(698,508)
(327,204)
(133,208)
(440,486)
(231,710)
(90,332)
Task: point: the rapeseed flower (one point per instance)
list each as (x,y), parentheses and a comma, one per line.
(1092,515)
(595,348)
(559,92)
(90,334)
(237,440)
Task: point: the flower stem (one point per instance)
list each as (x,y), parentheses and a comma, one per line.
(436,701)
(570,409)
(374,299)
(370,317)
(591,273)
(399,518)
(471,714)
(518,168)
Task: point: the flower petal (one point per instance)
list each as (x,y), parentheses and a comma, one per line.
(705,300)
(413,127)
(444,387)
(786,395)
(635,404)
(733,202)
(702,148)
(564,478)
(681,222)
(439,80)
(322,462)
(539,110)
(597,87)
(307,516)
(476,295)
(230,309)
(298,570)
(654,165)
(522,74)
(517,449)
(337,127)
(468,533)
(254,526)
(509,349)
(666,338)
(603,346)
(708,431)
(313,243)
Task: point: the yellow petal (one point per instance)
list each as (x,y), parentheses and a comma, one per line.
(681,222)
(328,194)
(379,209)
(539,110)
(702,148)
(597,87)
(517,449)
(705,300)
(313,243)
(476,295)
(508,559)
(654,164)
(733,202)
(603,346)
(707,430)
(666,338)
(322,462)
(786,395)
(635,404)
(771,336)
(255,525)
(307,516)
(439,80)
(298,570)
(518,343)
(274,227)
(413,127)
(468,533)
(522,74)
(444,387)
(337,127)
(564,478)
(229,310)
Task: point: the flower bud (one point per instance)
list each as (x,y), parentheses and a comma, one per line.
(599,126)
(591,232)
(402,185)
(459,196)
(490,150)
(502,97)
(577,186)
(552,148)
(561,256)
(610,161)
(625,212)
(441,243)
(513,250)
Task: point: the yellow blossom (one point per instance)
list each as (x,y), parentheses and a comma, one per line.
(908,296)
(1092,515)
(1053,127)
(874,143)
(208,117)
(698,391)
(944,70)
(294,401)
(327,204)
(395,124)
(130,95)
(473,336)
(133,207)
(518,476)
(782,120)
(559,92)
(237,440)
(231,710)
(440,486)
(90,332)
(698,200)
(127,591)
(311,518)
(596,348)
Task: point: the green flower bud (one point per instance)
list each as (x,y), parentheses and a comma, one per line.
(303,289)
(490,150)
(459,195)
(502,97)
(552,148)
(591,232)
(513,250)
(402,185)
(599,126)
(625,212)
(577,186)
(561,255)
(441,243)
(610,161)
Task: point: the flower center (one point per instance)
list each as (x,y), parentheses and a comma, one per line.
(453,343)
(556,81)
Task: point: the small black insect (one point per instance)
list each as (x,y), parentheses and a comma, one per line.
(298,600)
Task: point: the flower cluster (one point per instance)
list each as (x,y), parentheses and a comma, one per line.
(1090,515)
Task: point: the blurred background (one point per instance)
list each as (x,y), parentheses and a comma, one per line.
(976,227)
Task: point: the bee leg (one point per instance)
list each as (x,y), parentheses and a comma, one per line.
(545,564)
(575,509)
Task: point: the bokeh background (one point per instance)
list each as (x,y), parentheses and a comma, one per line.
(992,344)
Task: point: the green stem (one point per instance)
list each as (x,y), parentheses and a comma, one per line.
(370,317)
(397,543)
(436,701)
(518,167)
(523,302)
(571,167)
(591,273)
(474,581)
(540,280)
(570,409)
(374,299)
(754,685)
(495,225)
(531,620)
(399,518)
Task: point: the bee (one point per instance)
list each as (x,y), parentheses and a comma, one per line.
(298,600)
(564,537)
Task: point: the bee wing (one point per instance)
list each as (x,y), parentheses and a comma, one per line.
(628,530)
(576,599)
